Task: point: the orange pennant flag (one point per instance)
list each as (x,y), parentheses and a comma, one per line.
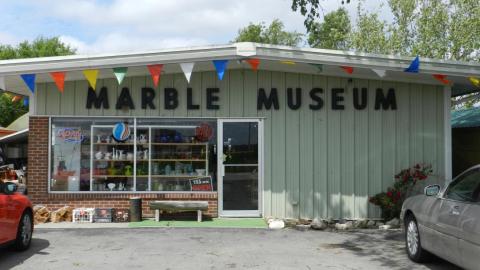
(59,78)
(16,98)
(441,78)
(347,69)
(155,71)
(254,62)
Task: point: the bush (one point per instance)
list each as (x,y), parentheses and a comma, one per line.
(390,202)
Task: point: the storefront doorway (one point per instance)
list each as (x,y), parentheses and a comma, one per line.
(240,167)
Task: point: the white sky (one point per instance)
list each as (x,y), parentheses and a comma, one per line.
(97,26)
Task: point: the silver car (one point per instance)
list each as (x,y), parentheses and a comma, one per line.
(446,221)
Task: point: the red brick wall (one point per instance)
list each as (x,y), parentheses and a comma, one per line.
(38,182)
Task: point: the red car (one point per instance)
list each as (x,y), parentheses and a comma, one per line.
(16,217)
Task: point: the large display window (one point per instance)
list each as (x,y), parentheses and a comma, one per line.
(133,155)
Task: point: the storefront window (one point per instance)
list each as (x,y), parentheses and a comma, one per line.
(124,155)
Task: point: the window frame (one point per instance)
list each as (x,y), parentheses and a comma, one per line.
(458,179)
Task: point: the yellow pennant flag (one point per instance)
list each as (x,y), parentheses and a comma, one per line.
(286,62)
(91,75)
(475,81)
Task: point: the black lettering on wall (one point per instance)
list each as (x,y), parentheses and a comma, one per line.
(125,100)
(190,105)
(294,104)
(360,102)
(212,98)
(390,101)
(316,98)
(97,101)
(337,99)
(148,94)
(267,102)
(171,99)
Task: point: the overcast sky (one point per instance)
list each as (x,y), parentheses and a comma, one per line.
(99,26)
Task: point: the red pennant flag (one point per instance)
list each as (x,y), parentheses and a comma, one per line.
(442,78)
(254,62)
(155,71)
(347,69)
(59,78)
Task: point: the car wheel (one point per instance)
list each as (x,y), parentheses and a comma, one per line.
(24,233)
(412,241)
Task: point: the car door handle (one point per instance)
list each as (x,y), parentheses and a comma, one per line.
(455,210)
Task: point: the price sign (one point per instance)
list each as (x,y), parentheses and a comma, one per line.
(201,184)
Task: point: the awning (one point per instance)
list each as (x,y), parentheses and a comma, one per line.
(17,137)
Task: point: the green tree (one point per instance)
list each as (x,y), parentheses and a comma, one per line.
(332,33)
(40,47)
(312,10)
(273,34)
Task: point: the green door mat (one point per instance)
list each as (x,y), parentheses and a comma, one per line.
(214,223)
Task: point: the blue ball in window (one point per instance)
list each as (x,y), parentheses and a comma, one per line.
(121,132)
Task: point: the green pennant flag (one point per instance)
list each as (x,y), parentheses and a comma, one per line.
(120,73)
(318,66)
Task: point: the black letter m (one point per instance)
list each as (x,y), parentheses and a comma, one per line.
(97,101)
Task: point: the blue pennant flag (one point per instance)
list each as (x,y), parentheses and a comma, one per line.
(414,66)
(220,66)
(29,80)
(25,102)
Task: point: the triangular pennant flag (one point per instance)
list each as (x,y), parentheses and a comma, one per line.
(220,66)
(187,69)
(414,66)
(347,69)
(254,63)
(287,62)
(2,83)
(318,66)
(29,80)
(442,78)
(25,101)
(475,81)
(59,78)
(380,72)
(120,73)
(91,75)
(155,71)
(16,98)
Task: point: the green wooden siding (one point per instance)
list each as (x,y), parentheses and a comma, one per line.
(323,163)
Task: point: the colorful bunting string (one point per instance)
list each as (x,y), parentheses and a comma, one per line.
(155,71)
(254,63)
(187,69)
(220,66)
(288,62)
(25,102)
(441,78)
(414,66)
(29,80)
(91,76)
(2,83)
(59,78)
(347,69)
(380,72)
(16,98)
(475,81)
(120,73)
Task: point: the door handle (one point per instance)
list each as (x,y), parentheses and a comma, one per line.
(455,210)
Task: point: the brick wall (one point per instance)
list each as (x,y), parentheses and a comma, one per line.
(38,182)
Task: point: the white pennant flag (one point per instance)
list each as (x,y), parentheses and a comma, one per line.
(187,70)
(2,83)
(380,72)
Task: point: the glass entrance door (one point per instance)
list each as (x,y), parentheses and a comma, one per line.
(239,162)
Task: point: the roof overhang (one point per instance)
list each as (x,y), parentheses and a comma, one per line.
(457,72)
(19,136)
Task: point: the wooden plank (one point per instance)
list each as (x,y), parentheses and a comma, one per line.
(320,153)
(416,124)
(250,93)
(180,83)
(402,160)
(53,99)
(292,164)
(306,141)
(429,128)
(264,81)
(388,142)
(347,145)
(67,99)
(334,153)
(235,102)
(40,98)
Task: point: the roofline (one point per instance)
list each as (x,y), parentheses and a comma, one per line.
(235,51)
(13,135)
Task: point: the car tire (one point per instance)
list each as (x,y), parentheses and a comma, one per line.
(413,244)
(24,232)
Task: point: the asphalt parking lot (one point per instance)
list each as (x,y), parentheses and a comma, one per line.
(182,248)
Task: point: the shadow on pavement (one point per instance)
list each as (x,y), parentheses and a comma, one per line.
(388,248)
(10,258)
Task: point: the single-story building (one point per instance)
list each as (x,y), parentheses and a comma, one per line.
(264,130)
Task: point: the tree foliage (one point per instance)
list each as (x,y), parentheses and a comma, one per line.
(273,34)
(40,47)
(332,33)
(312,10)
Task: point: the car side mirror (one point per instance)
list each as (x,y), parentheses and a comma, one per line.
(9,188)
(432,190)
